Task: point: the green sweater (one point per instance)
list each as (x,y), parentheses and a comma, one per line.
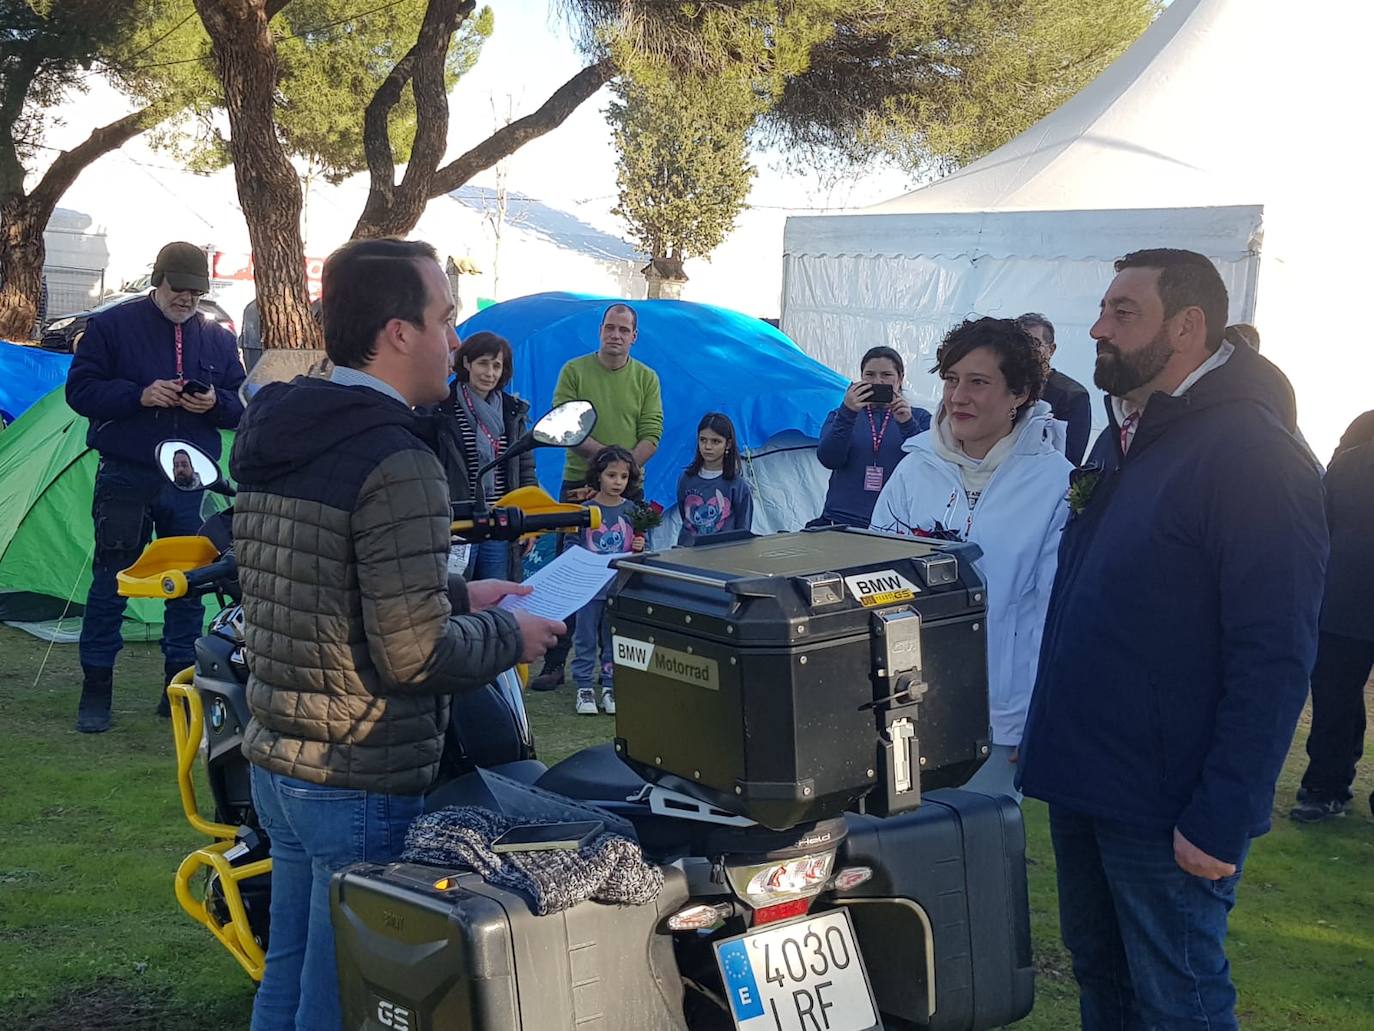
(629,407)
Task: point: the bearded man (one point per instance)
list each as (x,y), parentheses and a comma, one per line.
(1180,636)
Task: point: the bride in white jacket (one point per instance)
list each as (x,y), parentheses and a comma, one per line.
(988,471)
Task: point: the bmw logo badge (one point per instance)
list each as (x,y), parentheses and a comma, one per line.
(218,714)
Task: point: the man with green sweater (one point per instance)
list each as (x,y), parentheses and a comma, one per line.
(629,413)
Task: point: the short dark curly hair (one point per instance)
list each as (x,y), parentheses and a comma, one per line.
(604,458)
(484,345)
(1018,355)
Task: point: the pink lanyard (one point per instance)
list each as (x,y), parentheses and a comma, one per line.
(177,327)
(878,434)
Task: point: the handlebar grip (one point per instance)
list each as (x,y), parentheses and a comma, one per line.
(558,521)
(224,569)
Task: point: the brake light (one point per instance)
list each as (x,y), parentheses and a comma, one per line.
(765,884)
(782,911)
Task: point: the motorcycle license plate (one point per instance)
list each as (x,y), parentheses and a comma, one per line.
(798,976)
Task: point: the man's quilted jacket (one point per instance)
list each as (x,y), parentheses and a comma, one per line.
(341,531)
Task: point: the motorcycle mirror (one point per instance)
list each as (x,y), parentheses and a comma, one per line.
(567,425)
(186,466)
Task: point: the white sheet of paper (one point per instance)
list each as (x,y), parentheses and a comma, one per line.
(564,585)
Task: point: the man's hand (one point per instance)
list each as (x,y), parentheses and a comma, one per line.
(161,393)
(589,447)
(537,634)
(198,404)
(901,409)
(1015,756)
(486,594)
(580,494)
(1193,860)
(857,395)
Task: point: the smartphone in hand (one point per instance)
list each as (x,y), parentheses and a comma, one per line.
(195,387)
(881,394)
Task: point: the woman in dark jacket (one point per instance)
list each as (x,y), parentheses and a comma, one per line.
(861,441)
(480,422)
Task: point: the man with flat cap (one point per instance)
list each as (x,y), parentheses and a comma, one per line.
(148,370)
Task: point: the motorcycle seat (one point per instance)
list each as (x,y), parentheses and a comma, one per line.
(470,789)
(594,774)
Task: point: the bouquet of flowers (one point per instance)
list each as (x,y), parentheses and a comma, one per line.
(645,516)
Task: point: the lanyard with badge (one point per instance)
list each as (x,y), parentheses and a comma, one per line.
(873,474)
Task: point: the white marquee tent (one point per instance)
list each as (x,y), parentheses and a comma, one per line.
(1231,127)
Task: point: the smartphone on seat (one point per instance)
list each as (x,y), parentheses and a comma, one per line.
(542,837)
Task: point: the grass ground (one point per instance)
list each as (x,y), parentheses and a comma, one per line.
(91,832)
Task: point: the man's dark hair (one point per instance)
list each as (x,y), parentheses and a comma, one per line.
(1018,355)
(883,352)
(618,306)
(607,455)
(1186,280)
(1034,320)
(182,452)
(484,345)
(366,284)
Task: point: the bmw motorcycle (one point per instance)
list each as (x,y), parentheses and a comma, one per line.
(786,917)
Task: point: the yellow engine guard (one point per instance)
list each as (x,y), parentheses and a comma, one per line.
(531,501)
(160,571)
(236,935)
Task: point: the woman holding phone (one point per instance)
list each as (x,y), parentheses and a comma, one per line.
(861,441)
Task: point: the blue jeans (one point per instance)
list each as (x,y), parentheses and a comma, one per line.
(130,502)
(591,634)
(491,561)
(315,830)
(1147,939)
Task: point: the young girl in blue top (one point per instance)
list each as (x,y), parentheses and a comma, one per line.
(712,497)
(614,473)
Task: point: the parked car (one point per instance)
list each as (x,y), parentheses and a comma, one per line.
(64,333)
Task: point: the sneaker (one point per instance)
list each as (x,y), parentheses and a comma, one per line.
(608,702)
(1315,810)
(586,701)
(550,679)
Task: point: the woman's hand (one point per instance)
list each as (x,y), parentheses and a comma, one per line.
(901,408)
(857,395)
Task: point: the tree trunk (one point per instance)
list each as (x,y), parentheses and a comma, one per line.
(268,188)
(21,267)
(392,209)
(23,217)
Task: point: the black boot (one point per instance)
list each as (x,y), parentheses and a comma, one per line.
(93,711)
(550,679)
(169,670)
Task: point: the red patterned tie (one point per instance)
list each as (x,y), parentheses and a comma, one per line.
(1127,430)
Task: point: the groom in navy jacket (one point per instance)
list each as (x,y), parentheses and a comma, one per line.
(1177,649)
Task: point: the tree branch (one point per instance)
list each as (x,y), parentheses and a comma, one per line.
(510,138)
(16,87)
(388,205)
(71,163)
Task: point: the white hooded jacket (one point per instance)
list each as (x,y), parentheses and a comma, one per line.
(1017,523)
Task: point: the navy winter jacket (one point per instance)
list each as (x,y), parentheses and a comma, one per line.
(846,448)
(1183,624)
(128,347)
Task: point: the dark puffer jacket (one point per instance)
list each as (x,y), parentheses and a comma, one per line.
(341,532)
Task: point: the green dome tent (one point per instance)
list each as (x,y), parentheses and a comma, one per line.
(47,477)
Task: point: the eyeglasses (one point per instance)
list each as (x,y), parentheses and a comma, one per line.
(197,294)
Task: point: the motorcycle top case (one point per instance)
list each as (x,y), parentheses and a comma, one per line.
(427,948)
(767,674)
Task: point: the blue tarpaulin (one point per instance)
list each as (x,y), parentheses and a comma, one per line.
(707,359)
(26,374)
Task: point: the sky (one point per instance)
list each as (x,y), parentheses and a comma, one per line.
(529,55)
